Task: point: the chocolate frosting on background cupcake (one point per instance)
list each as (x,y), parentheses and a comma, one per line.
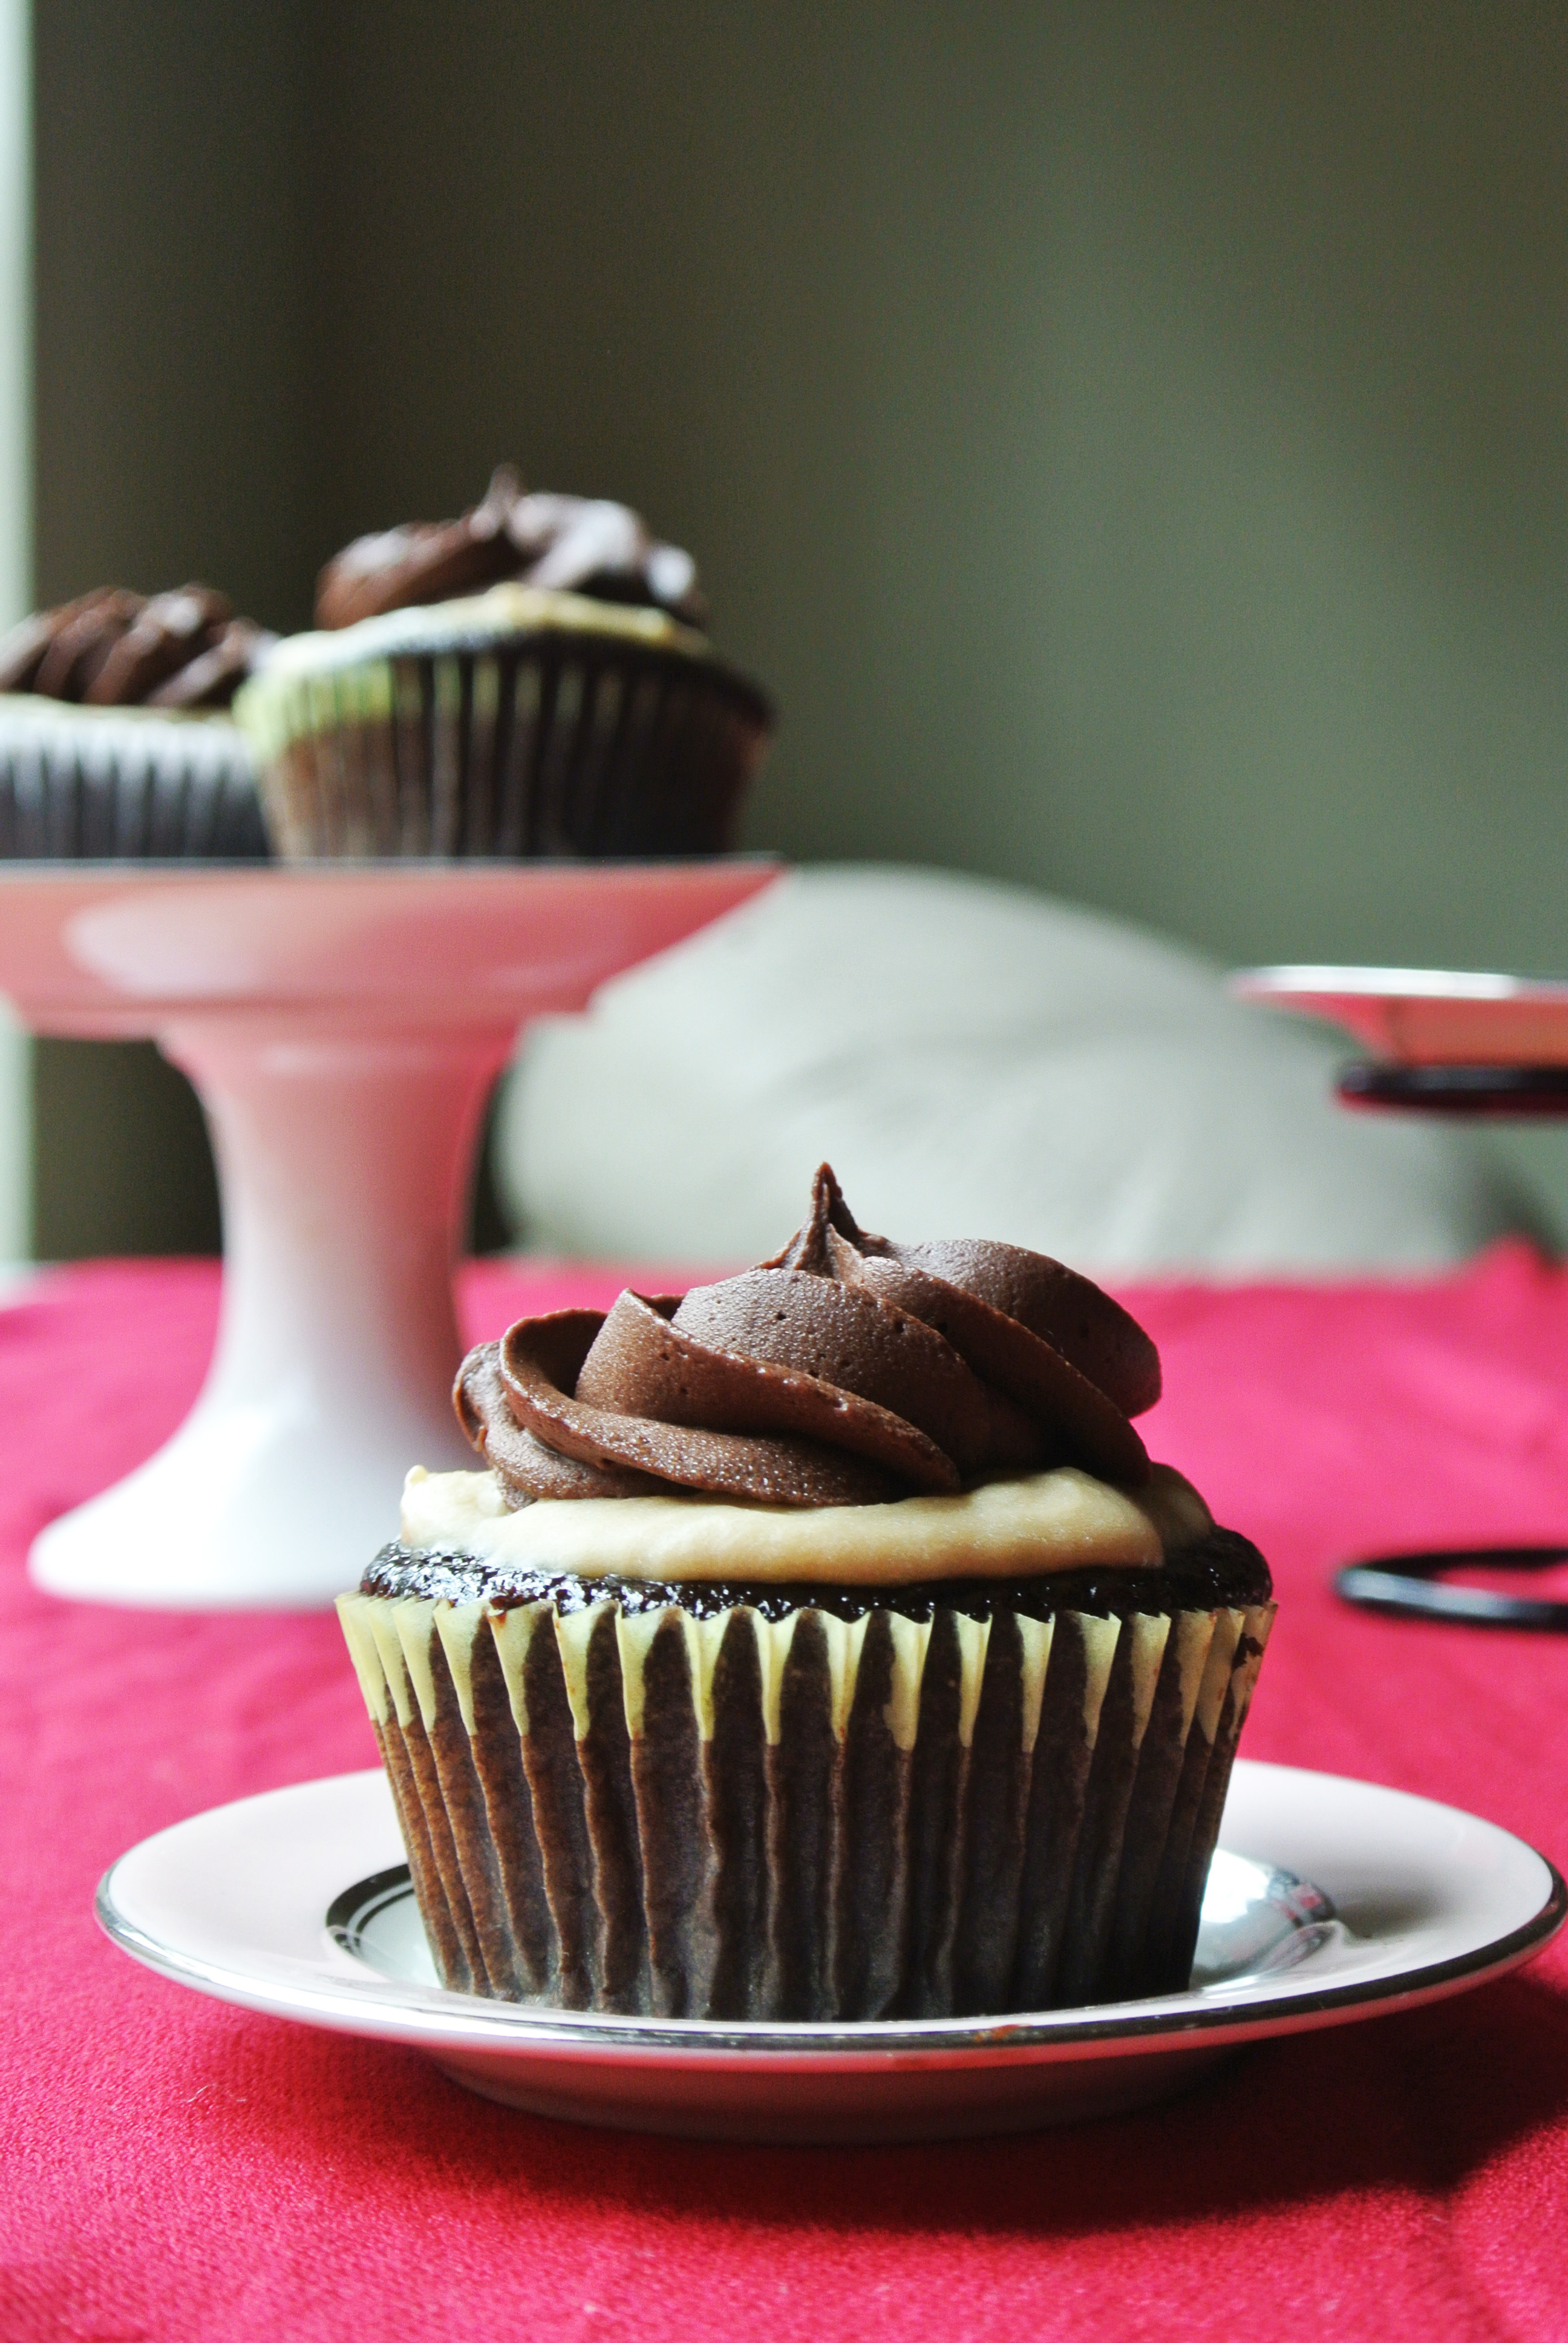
(578,545)
(114,737)
(113,648)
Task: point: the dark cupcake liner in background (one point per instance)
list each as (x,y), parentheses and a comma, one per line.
(646,1812)
(554,744)
(88,784)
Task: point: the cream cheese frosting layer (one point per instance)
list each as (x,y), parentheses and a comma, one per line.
(1030,1524)
(502,609)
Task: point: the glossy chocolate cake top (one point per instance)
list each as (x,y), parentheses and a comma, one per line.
(849,1370)
(579,545)
(1218,1568)
(113,648)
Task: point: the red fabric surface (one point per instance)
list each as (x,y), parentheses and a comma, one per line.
(178,2169)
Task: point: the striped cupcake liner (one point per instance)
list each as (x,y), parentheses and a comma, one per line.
(554,745)
(107,784)
(646,1813)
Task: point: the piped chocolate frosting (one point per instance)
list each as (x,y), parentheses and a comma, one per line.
(579,545)
(113,648)
(849,1370)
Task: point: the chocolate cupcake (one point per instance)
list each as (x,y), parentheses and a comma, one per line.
(528,681)
(821,1645)
(114,735)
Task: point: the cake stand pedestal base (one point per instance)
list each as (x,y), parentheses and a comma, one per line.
(343,1159)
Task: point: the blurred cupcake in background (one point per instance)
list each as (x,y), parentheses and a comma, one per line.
(115,738)
(529,680)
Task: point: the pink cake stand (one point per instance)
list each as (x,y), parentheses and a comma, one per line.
(342,1024)
(1427,1016)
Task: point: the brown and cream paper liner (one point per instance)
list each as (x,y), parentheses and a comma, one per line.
(806,1818)
(109,784)
(560,744)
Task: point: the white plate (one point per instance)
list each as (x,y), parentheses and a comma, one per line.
(1330,1900)
(1427,1016)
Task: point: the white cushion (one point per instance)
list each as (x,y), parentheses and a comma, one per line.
(974,1060)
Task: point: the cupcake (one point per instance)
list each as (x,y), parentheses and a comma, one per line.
(821,1644)
(528,681)
(115,734)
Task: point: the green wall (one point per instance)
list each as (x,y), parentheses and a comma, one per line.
(1128,440)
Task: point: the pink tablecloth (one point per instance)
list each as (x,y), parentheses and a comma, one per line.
(176,2169)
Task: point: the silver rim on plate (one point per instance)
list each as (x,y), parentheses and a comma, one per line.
(455,2018)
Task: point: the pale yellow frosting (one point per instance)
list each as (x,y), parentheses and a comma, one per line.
(1038,1521)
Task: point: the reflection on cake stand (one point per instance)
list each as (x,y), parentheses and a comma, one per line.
(342,1025)
(1465,1045)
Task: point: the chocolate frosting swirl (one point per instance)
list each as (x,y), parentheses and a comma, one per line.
(113,649)
(847,1369)
(580,545)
